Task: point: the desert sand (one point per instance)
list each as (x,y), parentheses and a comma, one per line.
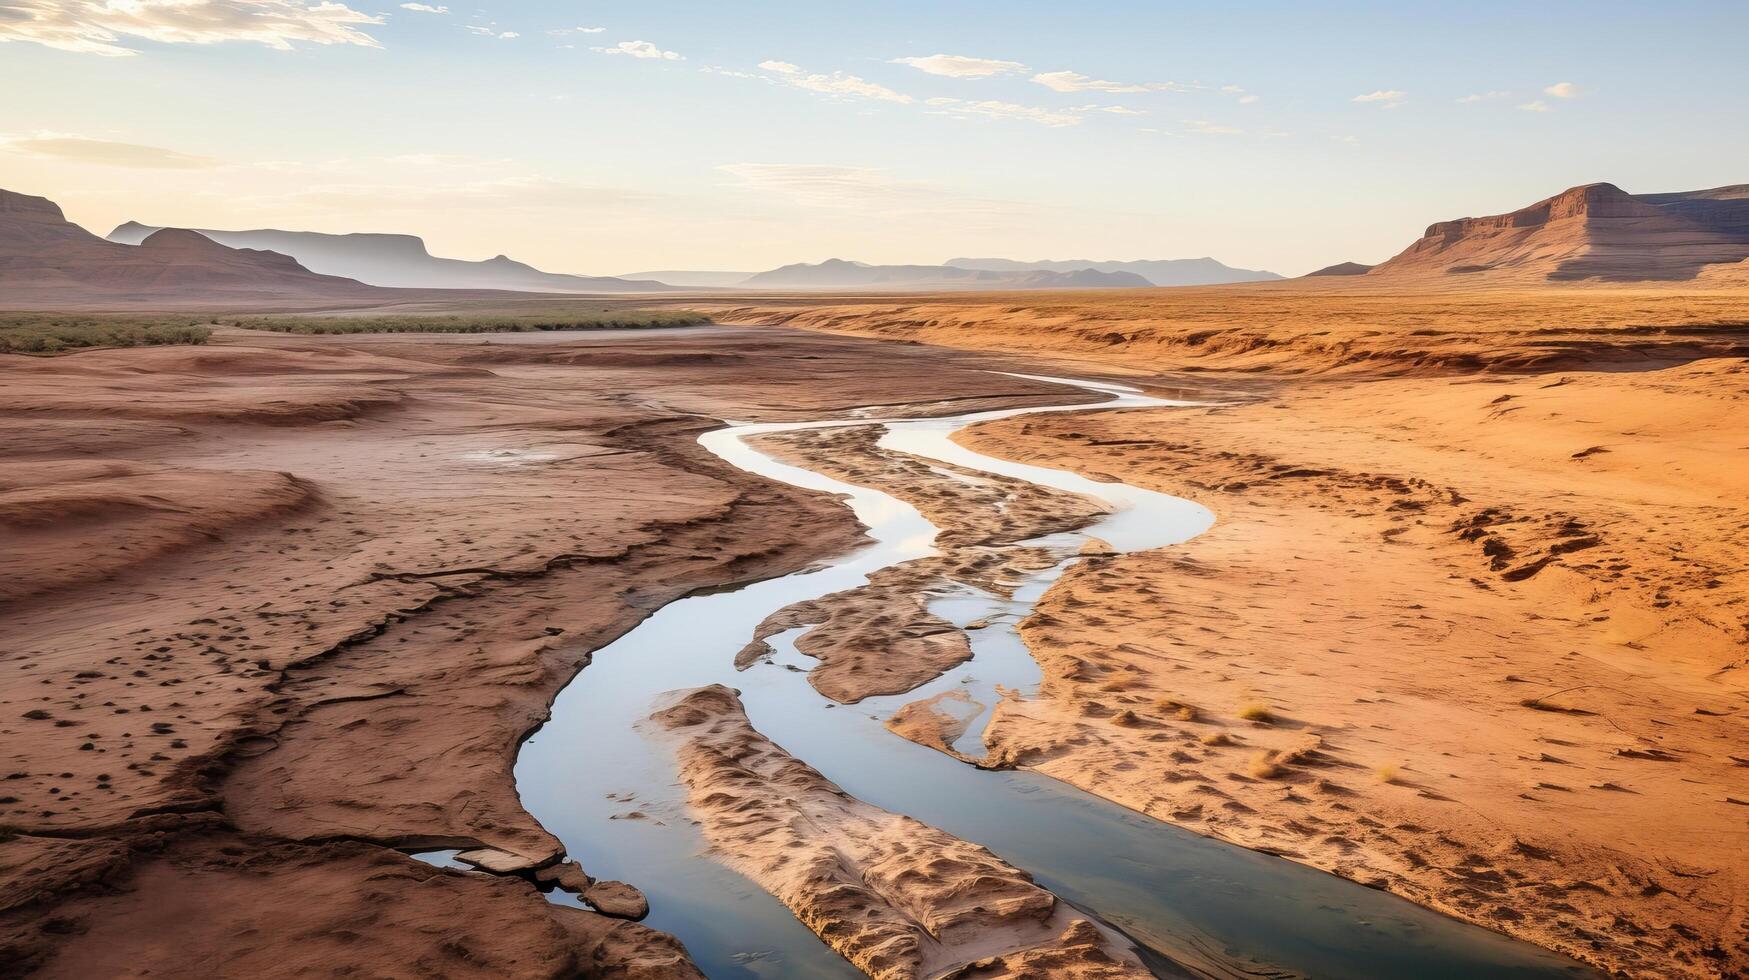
(1470,625)
(896,897)
(281,609)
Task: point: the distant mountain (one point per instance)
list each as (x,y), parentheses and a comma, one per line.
(47,261)
(1160,272)
(842,274)
(1594,231)
(1341,269)
(401,261)
(692,279)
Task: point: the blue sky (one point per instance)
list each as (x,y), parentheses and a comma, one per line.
(1275,135)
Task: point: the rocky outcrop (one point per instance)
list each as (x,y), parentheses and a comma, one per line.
(1591,232)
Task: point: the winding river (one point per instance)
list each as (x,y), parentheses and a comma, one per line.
(1194,906)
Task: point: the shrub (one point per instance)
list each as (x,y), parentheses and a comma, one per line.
(1257,712)
(51,333)
(604,319)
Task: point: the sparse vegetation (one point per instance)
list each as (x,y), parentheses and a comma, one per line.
(1387,773)
(1263,765)
(1256,711)
(1216,738)
(52,333)
(1173,706)
(572,319)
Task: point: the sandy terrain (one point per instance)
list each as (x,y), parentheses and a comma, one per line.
(896,897)
(1470,626)
(881,638)
(282,607)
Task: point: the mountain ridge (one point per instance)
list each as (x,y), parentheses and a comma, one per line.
(46,260)
(846,274)
(401,261)
(1587,232)
(1204,271)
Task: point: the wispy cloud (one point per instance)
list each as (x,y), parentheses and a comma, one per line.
(1239,94)
(424,8)
(1476,97)
(641,49)
(100,26)
(1008,110)
(80,149)
(1383,98)
(1069,81)
(1564,90)
(961,66)
(567,31)
(492,31)
(1536,105)
(838,83)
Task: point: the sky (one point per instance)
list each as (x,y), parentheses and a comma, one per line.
(609,137)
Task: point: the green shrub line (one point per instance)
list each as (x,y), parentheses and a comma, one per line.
(56,334)
(462,323)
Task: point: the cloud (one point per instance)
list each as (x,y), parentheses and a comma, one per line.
(564,31)
(423,8)
(492,31)
(961,66)
(1009,110)
(838,83)
(1068,81)
(99,26)
(1383,98)
(1483,97)
(1537,105)
(1564,90)
(640,49)
(79,149)
(1249,99)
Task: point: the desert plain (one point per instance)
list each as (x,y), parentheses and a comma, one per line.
(1468,626)
(1462,621)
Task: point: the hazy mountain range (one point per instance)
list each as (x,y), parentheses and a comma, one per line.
(46,260)
(1594,232)
(401,261)
(843,274)
(1158,272)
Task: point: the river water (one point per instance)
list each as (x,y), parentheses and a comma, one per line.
(596,776)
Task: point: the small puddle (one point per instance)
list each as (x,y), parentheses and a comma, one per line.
(1193,905)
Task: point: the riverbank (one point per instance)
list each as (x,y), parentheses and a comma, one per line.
(1470,624)
(280,608)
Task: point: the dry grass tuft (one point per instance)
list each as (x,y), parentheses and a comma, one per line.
(1386,773)
(1263,766)
(1216,738)
(1258,712)
(1173,706)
